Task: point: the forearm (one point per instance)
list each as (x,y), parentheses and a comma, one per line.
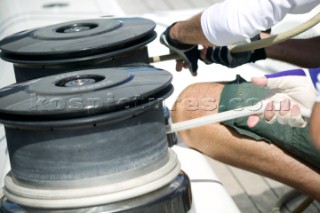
(300,52)
(189,32)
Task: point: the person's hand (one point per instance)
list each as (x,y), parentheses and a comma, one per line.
(295,91)
(189,54)
(222,55)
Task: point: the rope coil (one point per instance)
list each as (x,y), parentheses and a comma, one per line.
(83,197)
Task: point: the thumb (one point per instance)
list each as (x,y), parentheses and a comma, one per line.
(253,120)
(260,81)
(275,82)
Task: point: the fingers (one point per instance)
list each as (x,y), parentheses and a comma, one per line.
(264,35)
(203,53)
(285,113)
(284,107)
(194,74)
(295,110)
(260,81)
(180,64)
(269,112)
(278,111)
(253,120)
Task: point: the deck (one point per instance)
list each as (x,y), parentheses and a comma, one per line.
(252,193)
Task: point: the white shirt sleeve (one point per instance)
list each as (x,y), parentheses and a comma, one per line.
(231,21)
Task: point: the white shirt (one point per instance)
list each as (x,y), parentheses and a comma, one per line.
(231,21)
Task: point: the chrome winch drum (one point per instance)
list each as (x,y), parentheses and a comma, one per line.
(92,140)
(78,45)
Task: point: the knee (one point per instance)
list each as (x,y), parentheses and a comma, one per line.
(195,101)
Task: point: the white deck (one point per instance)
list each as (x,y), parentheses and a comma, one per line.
(251,193)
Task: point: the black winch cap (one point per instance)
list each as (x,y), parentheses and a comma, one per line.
(86,93)
(77,40)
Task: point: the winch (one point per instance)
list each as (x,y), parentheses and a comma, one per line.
(78,45)
(92,140)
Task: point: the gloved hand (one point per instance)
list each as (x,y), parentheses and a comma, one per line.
(188,53)
(296,88)
(222,55)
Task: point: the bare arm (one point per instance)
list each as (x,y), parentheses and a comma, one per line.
(315,125)
(231,21)
(189,32)
(300,52)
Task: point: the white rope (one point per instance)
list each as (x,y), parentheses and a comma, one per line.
(223,116)
(277,38)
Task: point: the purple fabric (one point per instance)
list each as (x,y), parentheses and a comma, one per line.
(313,74)
(297,72)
